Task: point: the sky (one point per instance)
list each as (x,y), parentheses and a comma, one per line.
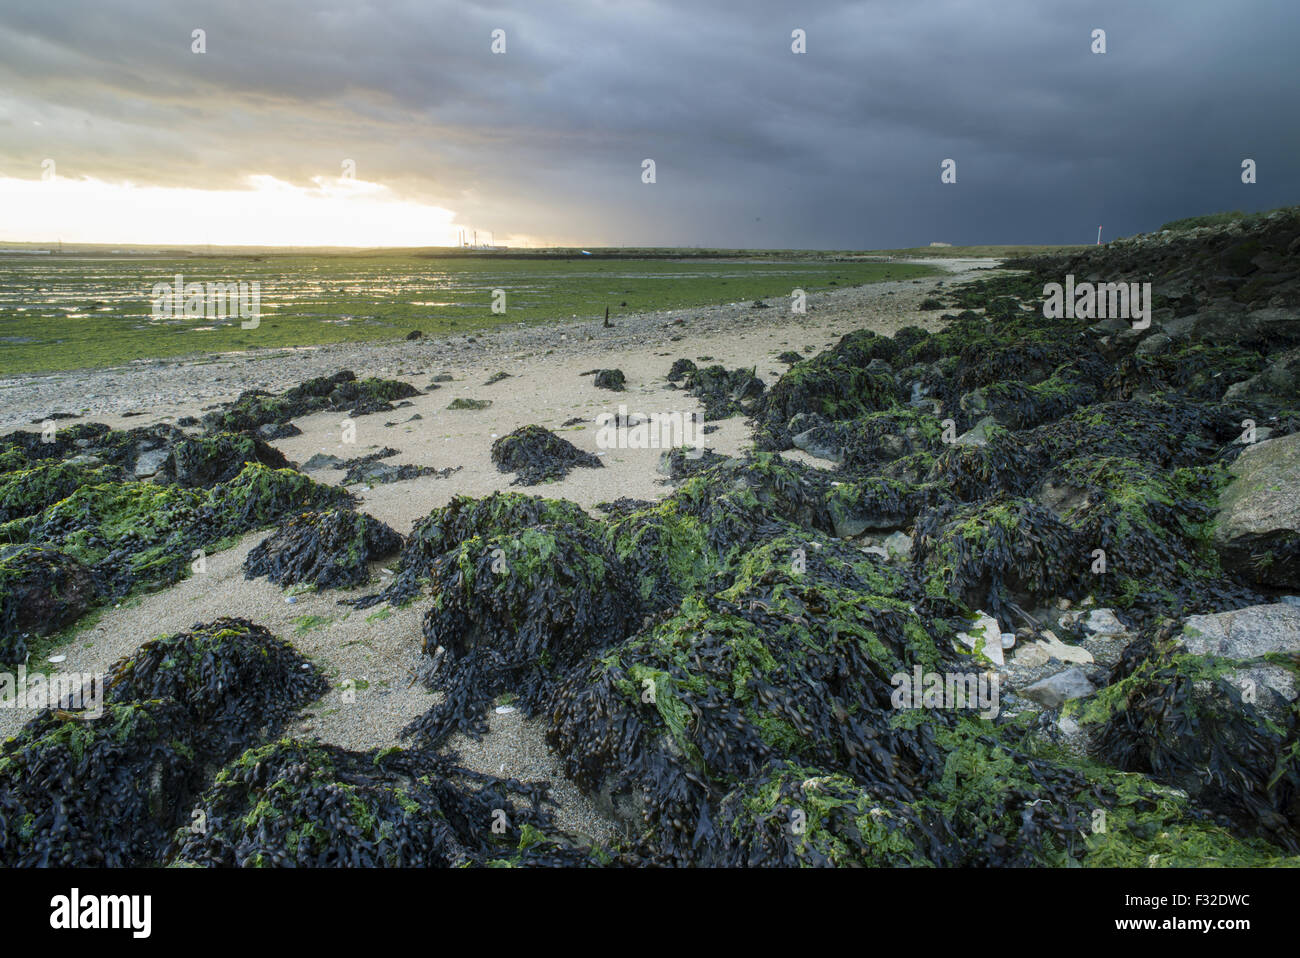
(353,123)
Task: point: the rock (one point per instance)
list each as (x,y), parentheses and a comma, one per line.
(1257,528)
(1154,345)
(414,334)
(1244,633)
(985,636)
(1280,381)
(1074,738)
(1055,690)
(323,461)
(819,442)
(1062,499)
(1249,634)
(150,462)
(1108,327)
(898,546)
(1053,648)
(1031,656)
(1008,640)
(268,431)
(977,435)
(1102,622)
(1268,327)
(442,378)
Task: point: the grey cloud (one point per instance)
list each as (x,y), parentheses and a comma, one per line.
(836,148)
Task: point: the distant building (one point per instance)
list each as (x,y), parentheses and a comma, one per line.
(940,244)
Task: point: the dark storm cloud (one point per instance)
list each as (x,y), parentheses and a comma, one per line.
(754,145)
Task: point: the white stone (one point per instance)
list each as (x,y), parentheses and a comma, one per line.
(986,635)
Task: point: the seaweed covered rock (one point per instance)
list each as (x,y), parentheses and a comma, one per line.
(463,518)
(1152,529)
(793,816)
(793,660)
(26,492)
(1194,715)
(106,792)
(611,379)
(145,535)
(327,549)
(208,460)
(724,392)
(259,496)
(42,589)
(1257,528)
(996,554)
(841,383)
(342,391)
(234,679)
(31,447)
(870,441)
(879,504)
(665,550)
(512,610)
(79,789)
(291,803)
(679,369)
(539,455)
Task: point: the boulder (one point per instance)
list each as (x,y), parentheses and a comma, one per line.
(149,462)
(1257,528)
(1055,690)
(1280,381)
(1247,635)
(978,434)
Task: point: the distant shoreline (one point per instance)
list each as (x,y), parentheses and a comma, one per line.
(176,386)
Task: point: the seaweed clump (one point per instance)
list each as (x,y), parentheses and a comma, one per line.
(142,535)
(328,550)
(291,803)
(78,789)
(510,611)
(42,589)
(724,392)
(538,455)
(1193,722)
(611,379)
(342,391)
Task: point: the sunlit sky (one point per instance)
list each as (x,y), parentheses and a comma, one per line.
(268,212)
(755,145)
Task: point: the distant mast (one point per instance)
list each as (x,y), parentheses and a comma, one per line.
(1098,235)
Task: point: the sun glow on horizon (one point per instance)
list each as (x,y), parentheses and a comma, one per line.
(338,211)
